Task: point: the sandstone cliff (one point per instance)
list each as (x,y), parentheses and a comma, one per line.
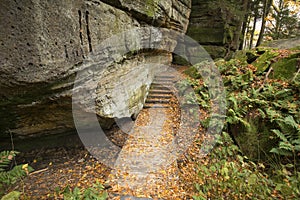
(216,25)
(44,44)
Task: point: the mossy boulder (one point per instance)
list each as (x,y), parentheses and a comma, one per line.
(207,35)
(263,62)
(285,68)
(215,51)
(193,72)
(248,56)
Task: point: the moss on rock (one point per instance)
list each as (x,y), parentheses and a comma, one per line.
(151,7)
(192,72)
(285,68)
(207,35)
(263,62)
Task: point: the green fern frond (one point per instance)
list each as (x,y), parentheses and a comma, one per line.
(5,159)
(10,176)
(280,135)
(281,152)
(290,121)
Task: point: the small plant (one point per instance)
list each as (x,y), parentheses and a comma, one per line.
(10,176)
(228,175)
(96,192)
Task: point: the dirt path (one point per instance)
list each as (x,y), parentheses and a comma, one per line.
(146,167)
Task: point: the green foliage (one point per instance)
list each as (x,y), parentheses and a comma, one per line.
(14,195)
(276,103)
(289,134)
(285,21)
(254,101)
(228,175)
(96,192)
(286,183)
(10,176)
(193,93)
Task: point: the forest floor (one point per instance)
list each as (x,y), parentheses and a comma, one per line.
(259,83)
(76,167)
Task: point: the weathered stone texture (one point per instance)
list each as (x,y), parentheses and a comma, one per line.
(172,14)
(214,24)
(44,44)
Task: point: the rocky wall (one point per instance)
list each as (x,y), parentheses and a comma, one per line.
(214,24)
(44,44)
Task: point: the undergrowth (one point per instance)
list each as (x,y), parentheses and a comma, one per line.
(96,192)
(229,175)
(9,175)
(250,95)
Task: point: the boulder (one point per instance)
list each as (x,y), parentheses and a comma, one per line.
(283,43)
(214,25)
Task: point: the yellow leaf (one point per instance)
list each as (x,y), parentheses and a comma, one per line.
(25,166)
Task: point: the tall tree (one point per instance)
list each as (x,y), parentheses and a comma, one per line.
(247,4)
(256,6)
(283,21)
(237,34)
(267,5)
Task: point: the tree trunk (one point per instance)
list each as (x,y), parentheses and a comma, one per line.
(278,21)
(236,39)
(253,30)
(267,6)
(245,23)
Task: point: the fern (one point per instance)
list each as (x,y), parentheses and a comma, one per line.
(289,135)
(5,159)
(280,135)
(96,192)
(10,176)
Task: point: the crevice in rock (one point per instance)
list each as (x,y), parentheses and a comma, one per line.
(188,4)
(80,27)
(88,31)
(66,51)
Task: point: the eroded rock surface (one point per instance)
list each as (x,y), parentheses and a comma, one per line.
(214,25)
(45,44)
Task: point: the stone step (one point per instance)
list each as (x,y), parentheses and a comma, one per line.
(161,82)
(165,76)
(159,96)
(163,79)
(164,101)
(153,91)
(159,87)
(156,105)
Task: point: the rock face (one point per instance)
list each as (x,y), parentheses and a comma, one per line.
(43,45)
(216,26)
(283,43)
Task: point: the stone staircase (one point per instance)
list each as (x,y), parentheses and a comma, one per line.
(146,167)
(160,92)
